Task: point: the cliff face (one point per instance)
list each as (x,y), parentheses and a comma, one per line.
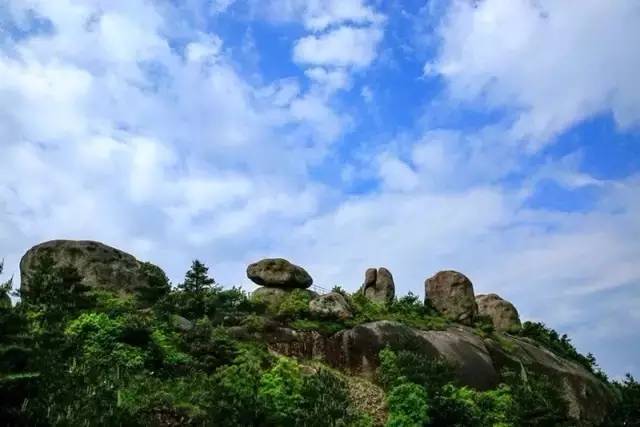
(477,361)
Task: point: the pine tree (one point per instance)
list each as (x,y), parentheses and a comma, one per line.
(197,278)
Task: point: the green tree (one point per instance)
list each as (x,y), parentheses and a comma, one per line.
(627,409)
(407,406)
(280,393)
(197,278)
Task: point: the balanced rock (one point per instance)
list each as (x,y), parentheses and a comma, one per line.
(99,266)
(451,293)
(332,305)
(378,285)
(502,313)
(278,273)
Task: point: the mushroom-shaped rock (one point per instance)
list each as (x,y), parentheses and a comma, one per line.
(278,273)
(378,285)
(451,293)
(331,305)
(502,313)
(99,266)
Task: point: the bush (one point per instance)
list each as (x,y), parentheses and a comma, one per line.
(295,305)
(407,406)
(280,393)
(325,401)
(406,366)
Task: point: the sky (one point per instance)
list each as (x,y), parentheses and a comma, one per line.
(499,138)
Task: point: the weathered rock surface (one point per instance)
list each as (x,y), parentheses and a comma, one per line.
(330,306)
(378,285)
(100,266)
(278,273)
(502,313)
(477,362)
(451,293)
(273,297)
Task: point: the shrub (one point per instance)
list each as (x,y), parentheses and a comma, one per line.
(325,401)
(295,305)
(407,406)
(280,393)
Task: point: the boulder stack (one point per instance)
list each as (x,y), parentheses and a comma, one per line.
(451,293)
(502,313)
(378,285)
(278,278)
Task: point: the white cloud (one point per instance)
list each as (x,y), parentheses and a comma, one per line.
(345,46)
(555,63)
(318,15)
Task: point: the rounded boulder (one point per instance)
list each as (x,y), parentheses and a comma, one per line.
(451,293)
(278,273)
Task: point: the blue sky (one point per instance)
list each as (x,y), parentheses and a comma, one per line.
(499,138)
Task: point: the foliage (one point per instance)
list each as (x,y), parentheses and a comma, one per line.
(407,406)
(561,345)
(406,366)
(197,278)
(537,400)
(627,412)
(280,393)
(408,310)
(324,327)
(295,305)
(325,400)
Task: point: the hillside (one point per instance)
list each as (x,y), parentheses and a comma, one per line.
(101,338)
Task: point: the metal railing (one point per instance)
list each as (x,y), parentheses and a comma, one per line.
(319,289)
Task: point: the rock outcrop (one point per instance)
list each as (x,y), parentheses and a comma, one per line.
(100,266)
(330,306)
(378,285)
(451,293)
(476,361)
(278,273)
(502,313)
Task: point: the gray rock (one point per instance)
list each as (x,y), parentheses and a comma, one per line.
(378,285)
(502,313)
(181,323)
(476,361)
(332,305)
(278,273)
(451,293)
(100,267)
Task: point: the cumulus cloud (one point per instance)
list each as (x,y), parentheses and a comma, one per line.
(555,63)
(345,46)
(318,15)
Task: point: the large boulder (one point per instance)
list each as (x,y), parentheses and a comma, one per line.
(502,313)
(477,362)
(330,306)
(378,285)
(99,266)
(278,273)
(451,293)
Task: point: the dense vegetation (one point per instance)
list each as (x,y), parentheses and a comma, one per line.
(72,356)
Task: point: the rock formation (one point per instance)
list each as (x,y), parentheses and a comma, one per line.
(502,313)
(378,285)
(100,267)
(477,361)
(451,293)
(330,306)
(278,273)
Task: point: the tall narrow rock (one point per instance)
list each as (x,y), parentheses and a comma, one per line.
(378,285)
